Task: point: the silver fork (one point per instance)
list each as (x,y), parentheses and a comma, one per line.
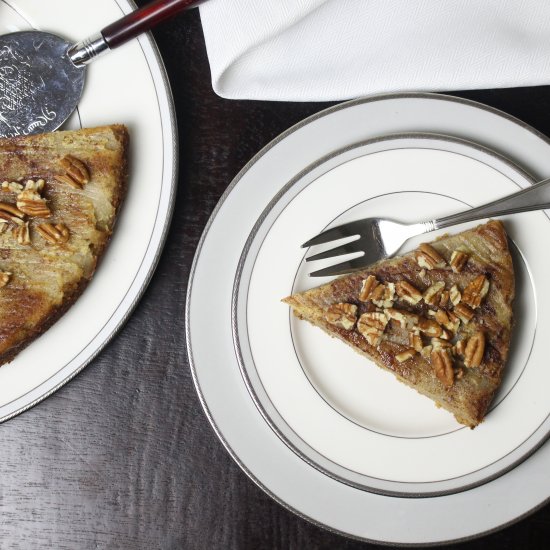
(380,238)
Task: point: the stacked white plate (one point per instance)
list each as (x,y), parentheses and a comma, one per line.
(321,430)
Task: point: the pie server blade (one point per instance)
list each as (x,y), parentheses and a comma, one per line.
(42,75)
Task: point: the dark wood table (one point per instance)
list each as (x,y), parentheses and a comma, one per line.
(123,456)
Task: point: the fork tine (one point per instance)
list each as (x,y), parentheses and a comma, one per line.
(341,268)
(338,232)
(348,248)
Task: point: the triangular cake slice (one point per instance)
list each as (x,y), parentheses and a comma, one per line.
(59,197)
(439,318)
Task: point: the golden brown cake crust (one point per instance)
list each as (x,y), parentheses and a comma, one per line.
(46,279)
(469,397)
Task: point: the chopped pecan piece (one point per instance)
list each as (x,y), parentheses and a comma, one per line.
(432,294)
(404,318)
(430,327)
(408,292)
(14,186)
(475,348)
(443,366)
(415,341)
(32,185)
(444,299)
(384,295)
(475,292)
(455,295)
(4,278)
(409,353)
(448,320)
(426,352)
(369,284)
(342,315)
(371,326)
(428,257)
(458,260)
(460,347)
(438,343)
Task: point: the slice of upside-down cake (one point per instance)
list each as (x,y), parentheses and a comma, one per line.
(59,197)
(439,318)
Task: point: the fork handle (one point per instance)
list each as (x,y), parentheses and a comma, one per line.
(535,197)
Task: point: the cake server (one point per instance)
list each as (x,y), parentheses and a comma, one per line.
(42,75)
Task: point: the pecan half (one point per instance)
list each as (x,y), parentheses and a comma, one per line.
(475,292)
(458,260)
(443,366)
(464,313)
(11,213)
(22,234)
(408,292)
(428,257)
(31,203)
(475,348)
(55,234)
(75,170)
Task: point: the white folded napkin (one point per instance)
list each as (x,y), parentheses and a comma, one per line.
(309,50)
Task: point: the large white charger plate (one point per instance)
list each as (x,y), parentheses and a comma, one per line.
(352,420)
(127,86)
(231,410)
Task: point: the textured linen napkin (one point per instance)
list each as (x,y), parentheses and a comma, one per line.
(309,50)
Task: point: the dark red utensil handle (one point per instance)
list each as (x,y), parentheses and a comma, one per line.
(142,20)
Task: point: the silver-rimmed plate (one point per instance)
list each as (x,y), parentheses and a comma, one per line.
(128,86)
(347,418)
(248,437)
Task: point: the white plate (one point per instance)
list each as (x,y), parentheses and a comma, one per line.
(127,86)
(223,392)
(352,420)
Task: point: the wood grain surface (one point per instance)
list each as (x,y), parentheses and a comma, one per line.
(123,456)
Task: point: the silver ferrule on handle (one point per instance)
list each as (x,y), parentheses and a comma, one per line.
(535,197)
(87,50)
